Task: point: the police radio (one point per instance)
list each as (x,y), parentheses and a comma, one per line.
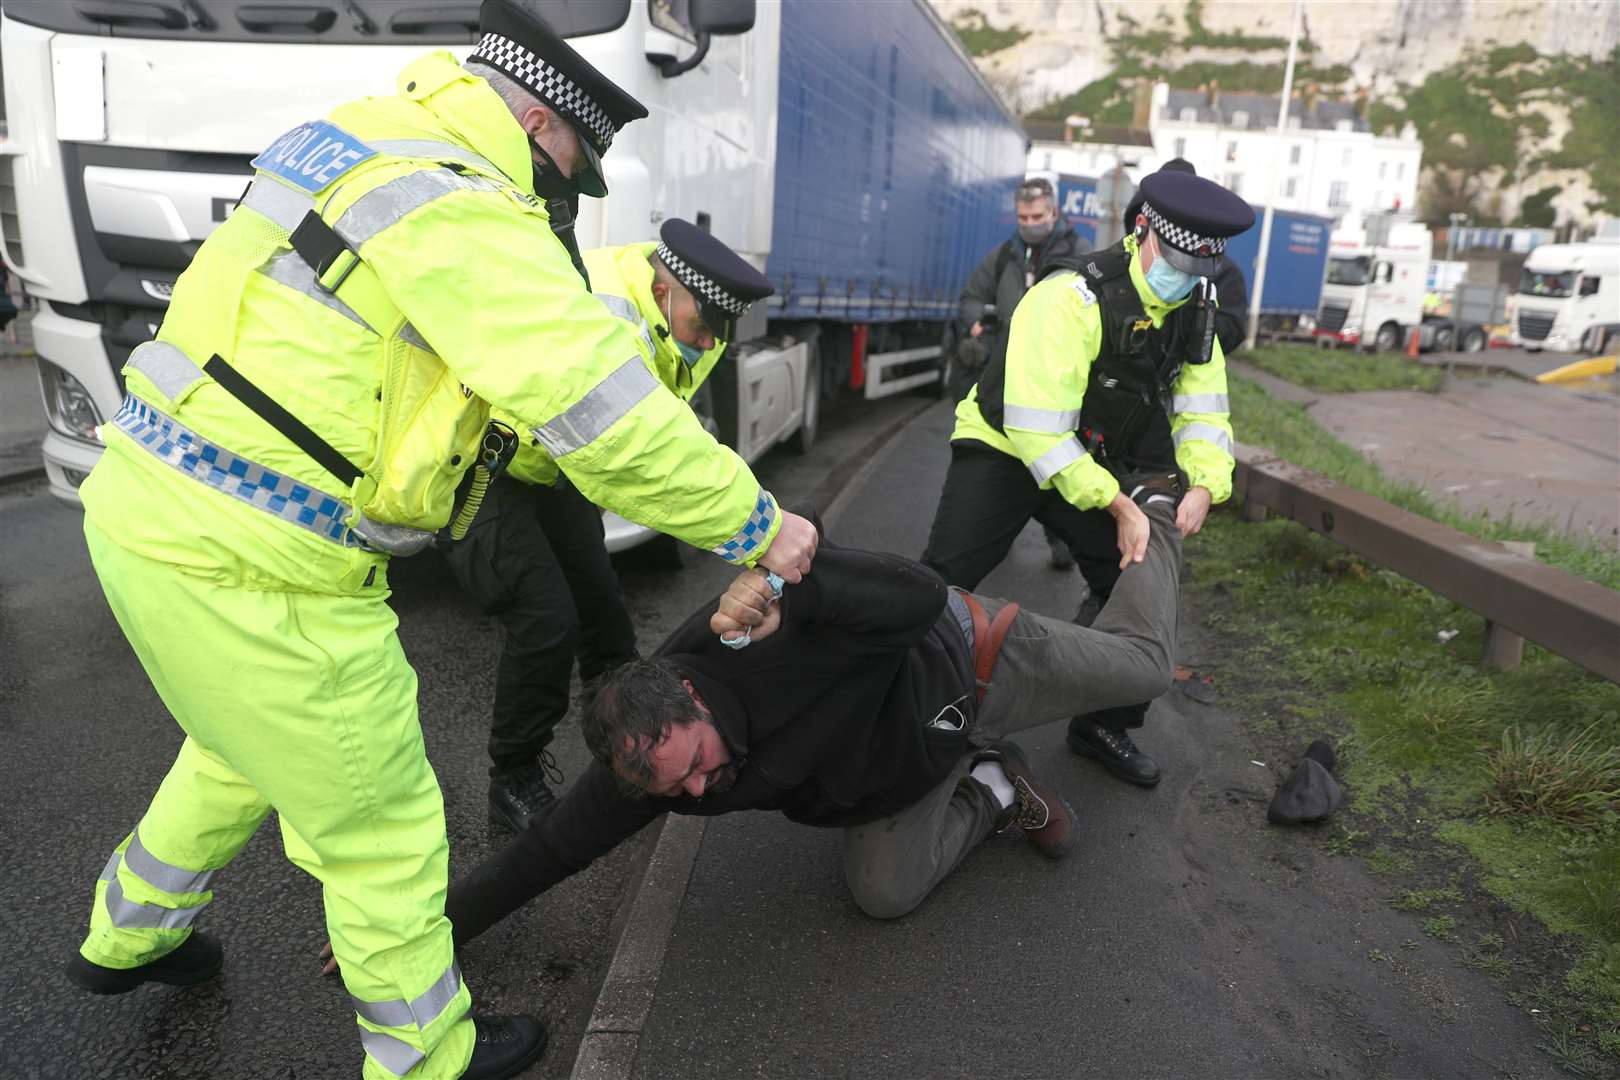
(1203,335)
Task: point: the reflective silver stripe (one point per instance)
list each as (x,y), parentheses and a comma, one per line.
(170,370)
(593,414)
(394,539)
(752,534)
(1054,421)
(1056,459)
(128,914)
(278,202)
(176,445)
(1200,403)
(433,149)
(163,876)
(396,1055)
(421,1010)
(290,269)
(111,870)
(410,334)
(382,206)
(1205,433)
(627,311)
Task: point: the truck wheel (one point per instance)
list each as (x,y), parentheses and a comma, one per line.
(1442,339)
(804,440)
(1473,340)
(1388,339)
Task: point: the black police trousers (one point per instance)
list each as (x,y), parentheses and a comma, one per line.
(990,496)
(534,559)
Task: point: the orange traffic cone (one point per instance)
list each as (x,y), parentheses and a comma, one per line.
(1412,344)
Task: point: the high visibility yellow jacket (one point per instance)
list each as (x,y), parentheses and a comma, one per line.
(1055,336)
(622,278)
(460,298)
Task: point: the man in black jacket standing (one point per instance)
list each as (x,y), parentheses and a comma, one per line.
(856,704)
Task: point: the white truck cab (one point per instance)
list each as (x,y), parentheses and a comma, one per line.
(1373,295)
(1565,291)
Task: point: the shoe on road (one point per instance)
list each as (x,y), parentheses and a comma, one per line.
(518,798)
(504,1046)
(1045,816)
(197,959)
(1114,749)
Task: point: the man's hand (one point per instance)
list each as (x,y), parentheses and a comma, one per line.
(330,964)
(1194,508)
(746,607)
(978,328)
(1133,529)
(792,550)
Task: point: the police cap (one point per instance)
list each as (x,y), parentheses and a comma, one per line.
(719,279)
(1134,207)
(518,43)
(1193,218)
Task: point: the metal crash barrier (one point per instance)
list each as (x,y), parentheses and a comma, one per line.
(1520,599)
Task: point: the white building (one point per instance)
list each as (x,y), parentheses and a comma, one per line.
(1332,163)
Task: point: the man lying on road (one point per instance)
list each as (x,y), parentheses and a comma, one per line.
(856,704)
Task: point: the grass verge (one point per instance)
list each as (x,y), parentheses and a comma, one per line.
(1288,431)
(1512,775)
(1342,370)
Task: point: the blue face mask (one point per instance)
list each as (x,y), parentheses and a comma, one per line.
(1168,283)
(690,354)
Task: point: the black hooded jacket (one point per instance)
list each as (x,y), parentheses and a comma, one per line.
(1006,274)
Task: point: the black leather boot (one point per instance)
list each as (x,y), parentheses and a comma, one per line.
(504,1046)
(521,796)
(197,959)
(1114,749)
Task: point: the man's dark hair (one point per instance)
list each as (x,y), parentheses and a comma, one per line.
(638,703)
(1036,188)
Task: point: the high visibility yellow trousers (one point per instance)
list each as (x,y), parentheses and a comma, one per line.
(303,703)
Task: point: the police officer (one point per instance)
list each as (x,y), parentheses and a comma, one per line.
(533,556)
(1231,292)
(1113,382)
(322,379)
(1002,278)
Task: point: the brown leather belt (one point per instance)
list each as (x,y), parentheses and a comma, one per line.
(988,635)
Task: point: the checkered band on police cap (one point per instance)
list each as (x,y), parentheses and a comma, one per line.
(1183,239)
(698,283)
(548,84)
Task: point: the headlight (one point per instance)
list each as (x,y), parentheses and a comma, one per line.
(68,405)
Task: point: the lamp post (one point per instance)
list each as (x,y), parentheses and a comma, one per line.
(1276,178)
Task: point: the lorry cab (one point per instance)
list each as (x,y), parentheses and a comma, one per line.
(1565,293)
(1374,291)
(131,132)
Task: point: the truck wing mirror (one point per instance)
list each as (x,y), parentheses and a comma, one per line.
(723,18)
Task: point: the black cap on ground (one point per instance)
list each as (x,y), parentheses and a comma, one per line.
(1193,218)
(518,43)
(1310,794)
(721,281)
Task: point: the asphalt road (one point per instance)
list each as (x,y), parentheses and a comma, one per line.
(1184,937)
(84,742)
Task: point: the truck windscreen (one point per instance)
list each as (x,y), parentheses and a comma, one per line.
(1353,270)
(328,22)
(1547,283)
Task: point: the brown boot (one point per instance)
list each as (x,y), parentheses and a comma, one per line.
(1045,816)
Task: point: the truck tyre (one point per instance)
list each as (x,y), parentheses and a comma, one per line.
(1388,339)
(1442,339)
(1473,340)
(804,440)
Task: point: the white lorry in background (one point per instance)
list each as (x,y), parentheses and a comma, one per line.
(1376,282)
(1568,298)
